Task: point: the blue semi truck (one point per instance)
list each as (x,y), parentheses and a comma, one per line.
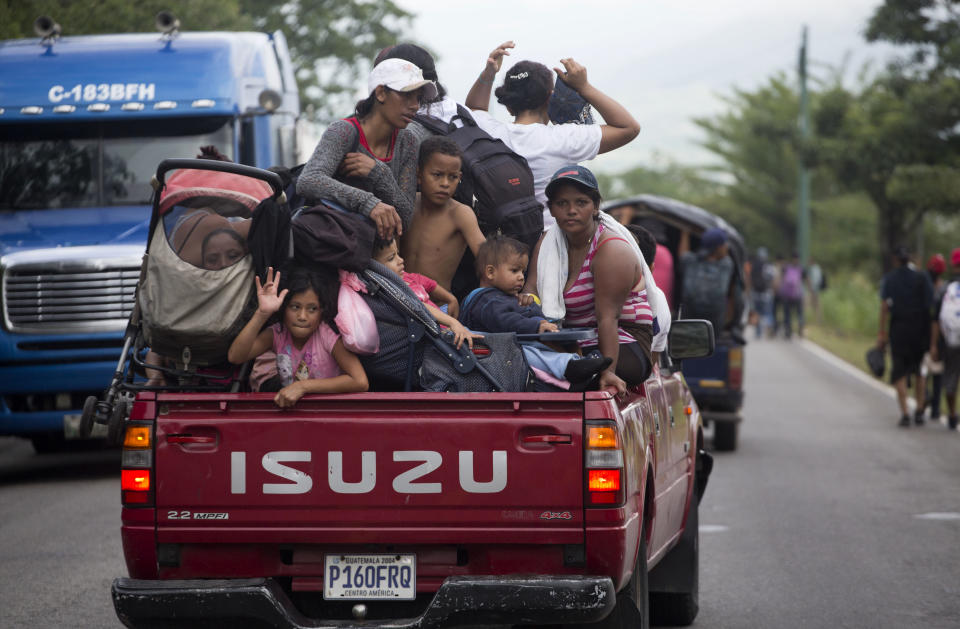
(84,121)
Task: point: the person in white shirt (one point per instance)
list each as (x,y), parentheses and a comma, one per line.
(525,93)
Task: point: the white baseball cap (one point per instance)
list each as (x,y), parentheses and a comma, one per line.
(402,76)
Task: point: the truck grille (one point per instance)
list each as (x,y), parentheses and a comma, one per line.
(53,301)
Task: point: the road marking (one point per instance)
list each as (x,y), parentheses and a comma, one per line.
(843,365)
(948,515)
(713,528)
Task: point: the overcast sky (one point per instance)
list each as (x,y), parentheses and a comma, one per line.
(667,61)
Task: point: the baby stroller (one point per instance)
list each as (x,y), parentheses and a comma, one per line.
(417,354)
(196,290)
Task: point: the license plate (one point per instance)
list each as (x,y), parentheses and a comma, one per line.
(71,427)
(384,577)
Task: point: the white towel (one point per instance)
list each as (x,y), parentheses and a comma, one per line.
(552,272)
(552,269)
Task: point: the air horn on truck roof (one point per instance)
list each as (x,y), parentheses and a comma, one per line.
(47,29)
(167,23)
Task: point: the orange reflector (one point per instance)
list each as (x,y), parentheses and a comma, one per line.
(735,357)
(135,480)
(688,410)
(137,437)
(601,437)
(603,480)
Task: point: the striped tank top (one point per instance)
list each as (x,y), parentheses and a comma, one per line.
(579,301)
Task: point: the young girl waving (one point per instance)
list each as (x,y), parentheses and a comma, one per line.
(311,357)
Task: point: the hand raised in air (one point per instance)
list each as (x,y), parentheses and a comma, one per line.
(268,301)
(495,60)
(573,74)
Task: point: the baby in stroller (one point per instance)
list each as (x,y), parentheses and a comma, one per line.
(311,357)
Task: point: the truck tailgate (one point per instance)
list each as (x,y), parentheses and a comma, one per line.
(370,468)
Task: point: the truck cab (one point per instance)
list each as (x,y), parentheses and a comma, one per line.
(83,123)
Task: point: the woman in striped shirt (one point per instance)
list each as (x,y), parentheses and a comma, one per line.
(601,285)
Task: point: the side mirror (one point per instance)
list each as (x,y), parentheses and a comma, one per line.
(691,338)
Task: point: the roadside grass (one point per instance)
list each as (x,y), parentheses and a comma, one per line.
(850,348)
(850,314)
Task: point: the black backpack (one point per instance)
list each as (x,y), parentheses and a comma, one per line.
(759,279)
(500,179)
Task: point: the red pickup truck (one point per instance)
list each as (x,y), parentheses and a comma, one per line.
(434,508)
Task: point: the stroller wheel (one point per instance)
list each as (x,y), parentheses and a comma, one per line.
(86,418)
(114,426)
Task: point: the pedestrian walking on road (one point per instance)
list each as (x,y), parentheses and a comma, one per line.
(762,275)
(946,326)
(936,267)
(790,292)
(905,301)
(816,283)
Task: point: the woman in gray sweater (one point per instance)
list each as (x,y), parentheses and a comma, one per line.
(368,163)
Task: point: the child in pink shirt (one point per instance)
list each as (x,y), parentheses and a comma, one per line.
(311,357)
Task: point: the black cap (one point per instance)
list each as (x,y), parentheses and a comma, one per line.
(572,172)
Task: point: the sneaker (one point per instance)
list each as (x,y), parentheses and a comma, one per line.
(904,421)
(585,368)
(918,418)
(952,422)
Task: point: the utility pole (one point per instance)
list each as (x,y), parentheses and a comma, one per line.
(803,180)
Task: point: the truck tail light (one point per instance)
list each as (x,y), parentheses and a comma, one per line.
(603,480)
(735,368)
(136,460)
(603,460)
(135,480)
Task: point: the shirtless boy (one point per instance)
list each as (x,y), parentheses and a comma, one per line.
(441,228)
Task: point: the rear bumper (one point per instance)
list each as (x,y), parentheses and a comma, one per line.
(460,600)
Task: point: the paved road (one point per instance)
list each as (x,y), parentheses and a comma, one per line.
(814,522)
(811,523)
(59,537)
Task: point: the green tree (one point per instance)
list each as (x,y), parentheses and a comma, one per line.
(930,28)
(665,178)
(332,42)
(756,141)
(118,16)
(898,136)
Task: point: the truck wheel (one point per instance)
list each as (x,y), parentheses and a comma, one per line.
(633,602)
(725,436)
(680,571)
(636,596)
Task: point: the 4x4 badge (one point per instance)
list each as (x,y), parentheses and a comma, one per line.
(556,515)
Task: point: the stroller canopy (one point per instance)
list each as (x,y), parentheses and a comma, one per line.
(191,185)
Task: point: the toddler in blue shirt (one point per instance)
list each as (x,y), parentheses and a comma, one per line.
(495,307)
